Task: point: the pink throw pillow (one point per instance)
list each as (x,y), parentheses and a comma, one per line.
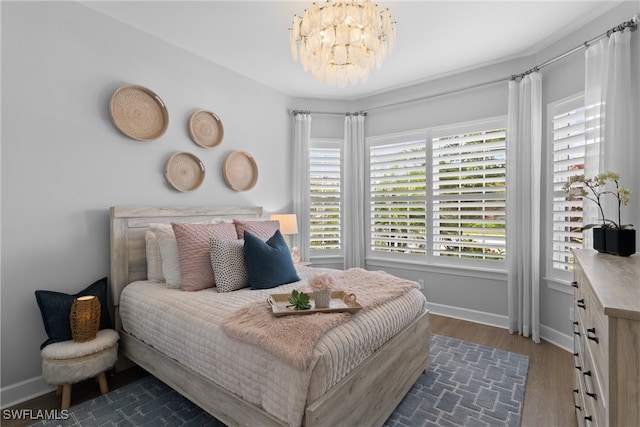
(264,230)
(194,253)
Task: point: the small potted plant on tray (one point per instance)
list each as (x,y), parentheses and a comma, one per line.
(608,236)
(322,284)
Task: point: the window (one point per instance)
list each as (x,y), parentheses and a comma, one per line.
(469,193)
(440,194)
(325,196)
(397,181)
(567,121)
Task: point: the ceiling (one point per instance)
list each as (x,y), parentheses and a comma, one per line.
(434,38)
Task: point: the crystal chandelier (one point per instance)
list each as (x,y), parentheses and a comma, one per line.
(340,41)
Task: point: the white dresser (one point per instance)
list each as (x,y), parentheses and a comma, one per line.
(606,339)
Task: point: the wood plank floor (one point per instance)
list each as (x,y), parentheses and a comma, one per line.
(548,400)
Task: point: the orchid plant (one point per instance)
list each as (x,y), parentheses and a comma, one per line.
(594,189)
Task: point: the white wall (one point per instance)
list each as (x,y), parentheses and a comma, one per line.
(64,163)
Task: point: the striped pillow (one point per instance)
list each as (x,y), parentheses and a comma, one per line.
(262,229)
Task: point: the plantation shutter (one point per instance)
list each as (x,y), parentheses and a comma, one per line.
(398,189)
(568,144)
(325,196)
(469,193)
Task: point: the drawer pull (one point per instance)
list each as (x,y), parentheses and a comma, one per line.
(580,303)
(578,407)
(574,284)
(586,389)
(594,337)
(576,332)
(575,362)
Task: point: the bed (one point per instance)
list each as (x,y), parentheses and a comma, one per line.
(365,394)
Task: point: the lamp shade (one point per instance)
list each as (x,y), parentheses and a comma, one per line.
(288,223)
(85,318)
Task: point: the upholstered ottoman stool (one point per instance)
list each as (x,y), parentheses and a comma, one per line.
(69,362)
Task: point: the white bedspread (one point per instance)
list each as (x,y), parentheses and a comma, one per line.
(186,327)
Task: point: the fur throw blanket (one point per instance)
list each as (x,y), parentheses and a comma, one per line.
(293,338)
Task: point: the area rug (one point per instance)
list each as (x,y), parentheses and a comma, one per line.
(466,385)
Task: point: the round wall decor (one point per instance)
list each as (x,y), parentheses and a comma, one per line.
(206,129)
(138,113)
(184,171)
(240,171)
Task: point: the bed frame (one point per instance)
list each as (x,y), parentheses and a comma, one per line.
(366,396)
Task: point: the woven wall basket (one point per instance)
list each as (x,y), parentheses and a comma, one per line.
(184,171)
(206,129)
(138,113)
(240,171)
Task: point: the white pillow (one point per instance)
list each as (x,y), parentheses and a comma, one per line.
(154,258)
(169,253)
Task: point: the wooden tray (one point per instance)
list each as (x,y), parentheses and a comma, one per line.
(340,302)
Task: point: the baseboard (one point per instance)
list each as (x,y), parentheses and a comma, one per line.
(548,334)
(557,338)
(474,316)
(24,390)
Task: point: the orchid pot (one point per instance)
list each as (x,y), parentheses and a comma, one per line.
(620,242)
(599,239)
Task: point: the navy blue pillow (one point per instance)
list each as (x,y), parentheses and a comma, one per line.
(269,263)
(55,308)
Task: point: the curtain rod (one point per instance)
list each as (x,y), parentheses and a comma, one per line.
(632,23)
(329,113)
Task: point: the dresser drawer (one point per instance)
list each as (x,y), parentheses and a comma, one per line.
(580,292)
(578,398)
(597,342)
(593,396)
(596,339)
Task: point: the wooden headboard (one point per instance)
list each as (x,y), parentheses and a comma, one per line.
(128,226)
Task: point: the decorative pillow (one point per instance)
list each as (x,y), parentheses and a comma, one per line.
(262,229)
(154,257)
(154,253)
(55,308)
(229,267)
(169,253)
(269,263)
(194,252)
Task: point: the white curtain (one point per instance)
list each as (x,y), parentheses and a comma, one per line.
(524,145)
(353,196)
(612,141)
(301,138)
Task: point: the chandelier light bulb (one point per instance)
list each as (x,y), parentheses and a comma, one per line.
(340,42)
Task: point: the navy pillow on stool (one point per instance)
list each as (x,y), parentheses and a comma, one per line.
(55,308)
(269,263)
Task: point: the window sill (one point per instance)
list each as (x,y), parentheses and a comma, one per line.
(482,273)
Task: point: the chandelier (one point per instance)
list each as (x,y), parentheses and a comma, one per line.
(340,41)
